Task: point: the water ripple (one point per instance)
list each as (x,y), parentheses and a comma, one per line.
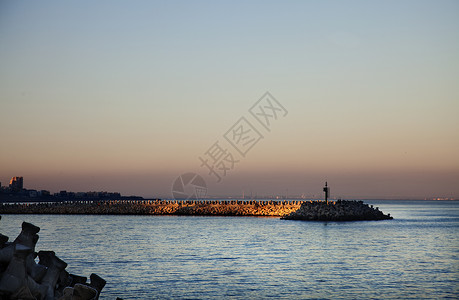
(414,256)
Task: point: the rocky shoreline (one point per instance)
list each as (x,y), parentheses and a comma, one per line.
(341,210)
(21,277)
(158,207)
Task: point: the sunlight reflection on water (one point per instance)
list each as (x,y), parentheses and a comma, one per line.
(414,256)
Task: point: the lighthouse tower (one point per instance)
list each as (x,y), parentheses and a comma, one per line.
(327,192)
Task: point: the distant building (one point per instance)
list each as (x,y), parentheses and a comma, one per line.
(80,195)
(45,193)
(16,184)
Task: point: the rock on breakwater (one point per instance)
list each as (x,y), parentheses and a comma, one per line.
(21,277)
(341,210)
(158,207)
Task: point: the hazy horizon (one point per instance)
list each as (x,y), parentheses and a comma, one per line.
(127,96)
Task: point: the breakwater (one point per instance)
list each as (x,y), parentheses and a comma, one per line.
(341,210)
(273,208)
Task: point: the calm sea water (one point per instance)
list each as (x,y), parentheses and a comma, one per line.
(414,256)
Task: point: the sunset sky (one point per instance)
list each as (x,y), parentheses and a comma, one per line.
(127,95)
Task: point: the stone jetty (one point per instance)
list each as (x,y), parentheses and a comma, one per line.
(272,208)
(341,210)
(21,277)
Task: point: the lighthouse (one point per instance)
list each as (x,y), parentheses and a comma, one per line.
(326,191)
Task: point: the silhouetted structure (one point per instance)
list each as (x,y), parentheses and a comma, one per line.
(326,191)
(17,193)
(16,184)
(341,210)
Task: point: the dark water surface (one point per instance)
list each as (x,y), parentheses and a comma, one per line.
(414,256)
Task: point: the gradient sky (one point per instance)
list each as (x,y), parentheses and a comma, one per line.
(126,95)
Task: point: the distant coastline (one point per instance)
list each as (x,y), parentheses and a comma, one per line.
(15,192)
(87,196)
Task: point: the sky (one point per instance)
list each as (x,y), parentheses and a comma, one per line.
(127,96)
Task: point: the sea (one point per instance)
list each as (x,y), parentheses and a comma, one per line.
(413,256)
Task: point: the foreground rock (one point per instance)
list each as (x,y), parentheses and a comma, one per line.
(341,210)
(22,278)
